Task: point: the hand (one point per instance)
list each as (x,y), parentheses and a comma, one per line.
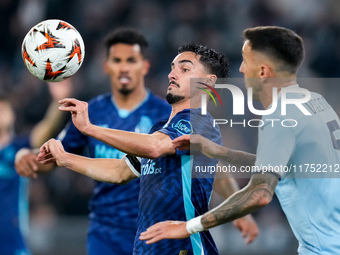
(196,143)
(248,227)
(26,163)
(52,151)
(165,230)
(79,112)
(188,142)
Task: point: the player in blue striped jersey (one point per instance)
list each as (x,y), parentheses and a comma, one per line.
(167,187)
(176,192)
(13,188)
(287,156)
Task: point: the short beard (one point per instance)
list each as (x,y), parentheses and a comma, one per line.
(172,99)
(125,91)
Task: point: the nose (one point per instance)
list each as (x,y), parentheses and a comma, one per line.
(124,67)
(172,75)
(241,69)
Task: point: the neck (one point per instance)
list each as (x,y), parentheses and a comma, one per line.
(129,101)
(266,98)
(185,104)
(177,107)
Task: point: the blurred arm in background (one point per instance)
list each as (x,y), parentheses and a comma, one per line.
(26,164)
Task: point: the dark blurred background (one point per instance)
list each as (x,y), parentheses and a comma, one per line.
(58,201)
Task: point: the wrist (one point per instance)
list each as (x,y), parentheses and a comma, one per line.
(64,159)
(21,153)
(88,129)
(194,225)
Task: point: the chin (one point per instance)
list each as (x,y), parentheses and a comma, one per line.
(173,99)
(125,91)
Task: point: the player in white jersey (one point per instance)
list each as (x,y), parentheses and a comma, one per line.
(298,154)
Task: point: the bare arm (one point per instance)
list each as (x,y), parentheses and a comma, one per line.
(53,120)
(25,160)
(143,145)
(100,169)
(213,150)
(255,195)
(48,127)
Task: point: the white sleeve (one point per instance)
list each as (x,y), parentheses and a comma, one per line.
(134,164)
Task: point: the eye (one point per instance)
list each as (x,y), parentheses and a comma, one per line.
(132,60)
(185,70)
(115,60)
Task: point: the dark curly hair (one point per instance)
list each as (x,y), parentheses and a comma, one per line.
(126,35)
(214,62)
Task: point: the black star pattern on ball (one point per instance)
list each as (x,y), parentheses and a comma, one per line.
(52,42)
(49,74)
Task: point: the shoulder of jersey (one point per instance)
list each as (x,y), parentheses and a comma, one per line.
(100,98)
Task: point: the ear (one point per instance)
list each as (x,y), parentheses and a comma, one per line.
(146,66)
(106,68)
(266,71)
(211,80)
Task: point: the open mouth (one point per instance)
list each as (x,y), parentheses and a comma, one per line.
(124,80)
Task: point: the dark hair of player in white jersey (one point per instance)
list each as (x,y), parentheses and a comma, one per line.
(283,45)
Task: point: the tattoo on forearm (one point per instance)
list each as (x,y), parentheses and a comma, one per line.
(255,195)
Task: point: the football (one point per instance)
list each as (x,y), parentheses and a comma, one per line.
(53,50)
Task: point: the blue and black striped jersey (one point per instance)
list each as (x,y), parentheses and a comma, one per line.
(170,190)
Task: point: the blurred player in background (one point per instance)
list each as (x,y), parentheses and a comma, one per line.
(13,188)
(167,188)
(271,58)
